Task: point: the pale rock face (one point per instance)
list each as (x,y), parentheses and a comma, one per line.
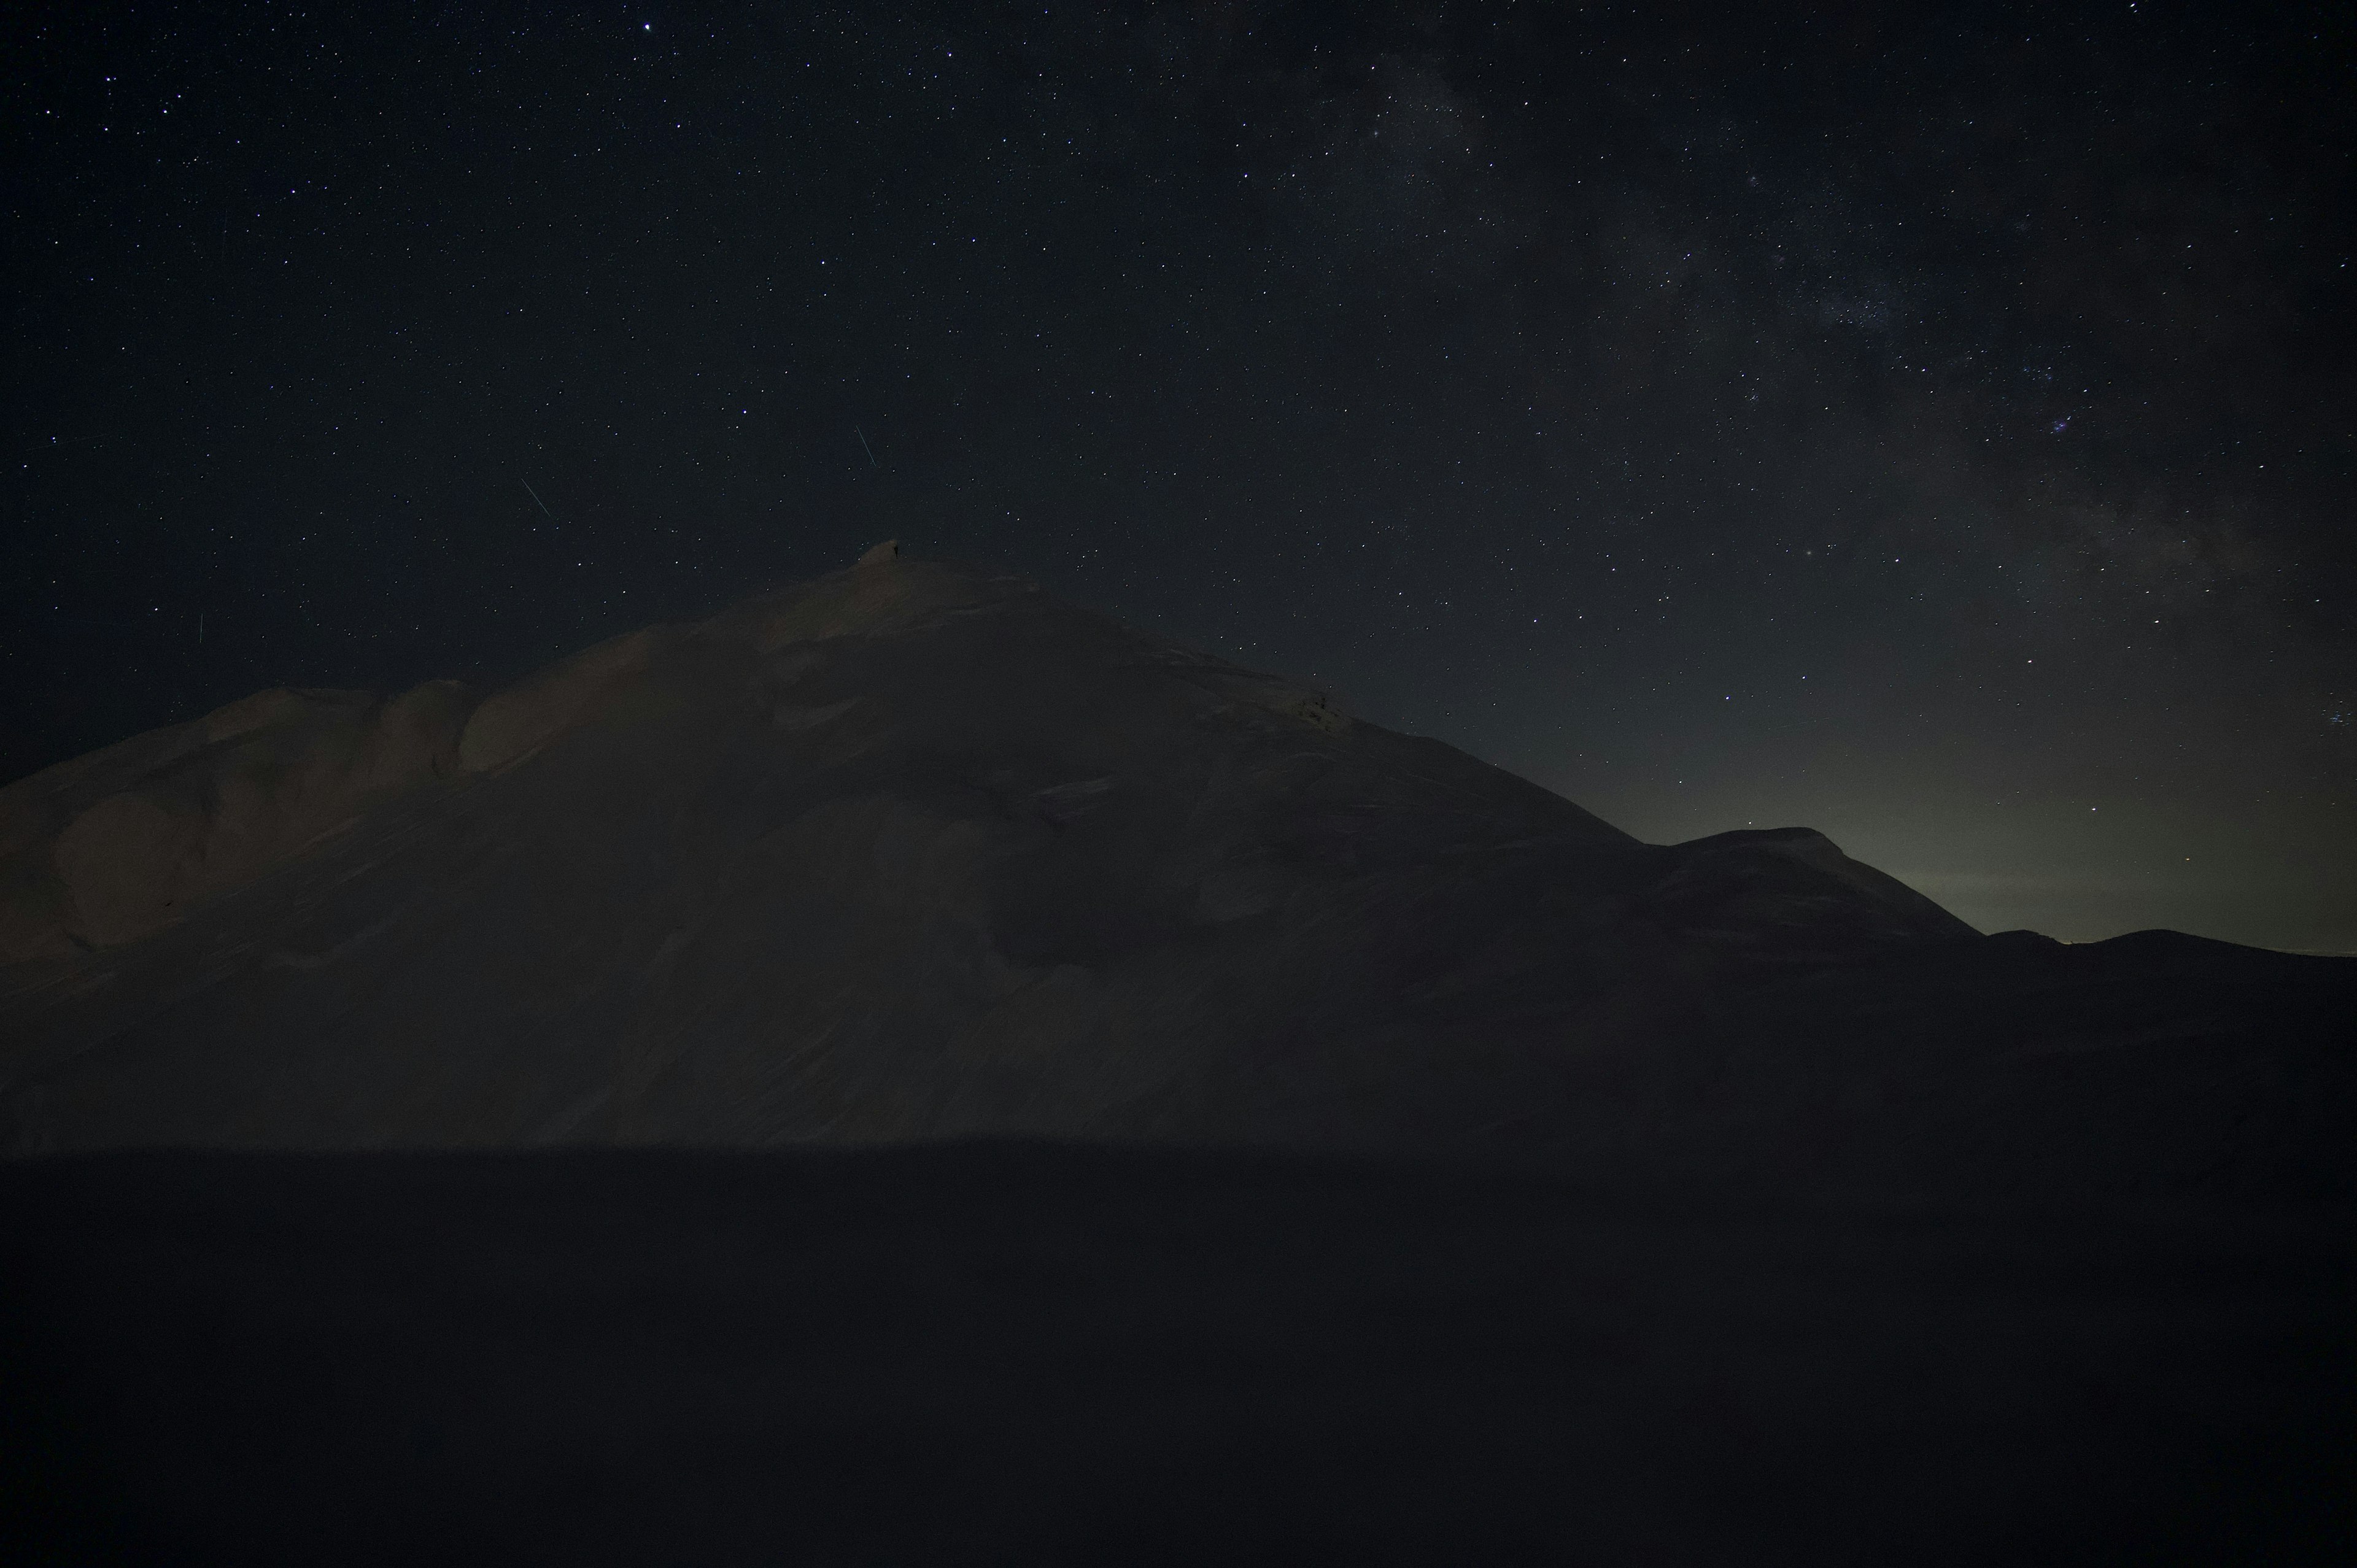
(511,724)
(103,849)
(415,736)
(128,862)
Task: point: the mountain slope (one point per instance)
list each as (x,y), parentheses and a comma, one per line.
(916,851)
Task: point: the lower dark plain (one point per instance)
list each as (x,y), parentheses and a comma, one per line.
(1037,1352)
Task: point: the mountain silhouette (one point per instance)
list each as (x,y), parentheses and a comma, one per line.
(918,851)
(909,1069)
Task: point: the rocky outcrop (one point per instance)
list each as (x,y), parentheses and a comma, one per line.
(513,723)
(107,848)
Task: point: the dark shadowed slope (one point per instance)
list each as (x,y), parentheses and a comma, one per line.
(915,851)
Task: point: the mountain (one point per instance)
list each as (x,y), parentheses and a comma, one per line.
(916,851)
(907,1069)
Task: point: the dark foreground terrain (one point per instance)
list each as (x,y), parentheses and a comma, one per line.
(1027,1353)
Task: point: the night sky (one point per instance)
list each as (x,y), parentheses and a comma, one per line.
(1934,426)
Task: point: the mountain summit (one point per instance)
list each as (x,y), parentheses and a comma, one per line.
(916,851)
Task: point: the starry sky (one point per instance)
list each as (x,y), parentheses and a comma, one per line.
(1933,426)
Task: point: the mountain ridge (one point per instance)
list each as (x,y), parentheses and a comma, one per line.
(131,840)
(916,851)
